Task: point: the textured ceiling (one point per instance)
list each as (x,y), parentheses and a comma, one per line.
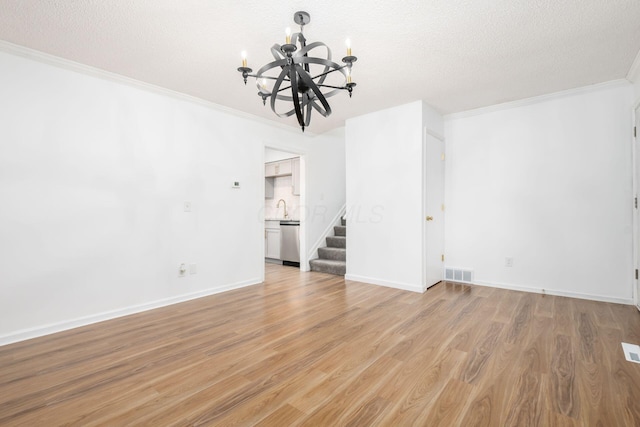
(454,54)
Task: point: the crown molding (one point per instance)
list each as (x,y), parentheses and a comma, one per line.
(537,99)
(634,72)
(78,67)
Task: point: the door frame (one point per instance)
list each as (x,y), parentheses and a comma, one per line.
(426,132)
(302,154)
(635,155)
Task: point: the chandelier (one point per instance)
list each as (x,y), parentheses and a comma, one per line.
(298,82)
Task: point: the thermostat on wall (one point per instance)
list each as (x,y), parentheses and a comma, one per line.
(235,184)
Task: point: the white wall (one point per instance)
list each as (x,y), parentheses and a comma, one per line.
(384,197)
(548,183)
(325,191)
(93,176)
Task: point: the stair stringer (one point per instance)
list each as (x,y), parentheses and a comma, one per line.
(328,232)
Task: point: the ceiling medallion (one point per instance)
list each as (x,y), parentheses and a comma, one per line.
(296,77)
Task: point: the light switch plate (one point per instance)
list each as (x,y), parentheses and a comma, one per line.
(187,206)
(182,270)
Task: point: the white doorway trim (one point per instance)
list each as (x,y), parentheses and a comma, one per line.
(302,153)
(635,144)
(436,213)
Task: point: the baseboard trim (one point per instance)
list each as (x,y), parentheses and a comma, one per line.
(385,283)
(39,331)
(577,295)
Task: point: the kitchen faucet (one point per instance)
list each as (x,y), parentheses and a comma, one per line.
(286,215)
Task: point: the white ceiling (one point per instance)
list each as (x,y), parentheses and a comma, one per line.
(454,54)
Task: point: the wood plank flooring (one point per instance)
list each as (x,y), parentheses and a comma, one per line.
(310,349)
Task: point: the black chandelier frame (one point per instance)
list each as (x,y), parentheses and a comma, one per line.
(307,92)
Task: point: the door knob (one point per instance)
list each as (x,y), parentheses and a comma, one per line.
(429,218)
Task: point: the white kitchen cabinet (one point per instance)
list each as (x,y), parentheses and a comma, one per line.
(272,249)
(295,176)
(270,169)
(280,168)
(272,239)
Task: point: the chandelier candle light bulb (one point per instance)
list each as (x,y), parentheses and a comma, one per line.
(348,43)
(287,32)
(243,54)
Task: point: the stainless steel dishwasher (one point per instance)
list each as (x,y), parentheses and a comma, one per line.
(290,243)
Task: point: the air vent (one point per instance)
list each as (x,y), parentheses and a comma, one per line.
(458,274)
(631,352)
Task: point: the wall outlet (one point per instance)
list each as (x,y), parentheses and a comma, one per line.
(182,270)
(193,268)
(508,262)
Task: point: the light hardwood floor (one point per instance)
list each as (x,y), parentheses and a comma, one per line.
(310,349)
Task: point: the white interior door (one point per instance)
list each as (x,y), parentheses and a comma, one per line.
(636,238)
(433,197)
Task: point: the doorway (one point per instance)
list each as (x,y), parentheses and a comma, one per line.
(283,204)
(636,217)
(433,208)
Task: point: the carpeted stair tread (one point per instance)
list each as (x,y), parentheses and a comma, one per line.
(329,266)
(336,241)
(336,254)
(333,258)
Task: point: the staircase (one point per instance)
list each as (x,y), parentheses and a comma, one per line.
(333,258)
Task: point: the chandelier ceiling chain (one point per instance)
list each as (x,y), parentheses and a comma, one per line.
(298,77)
